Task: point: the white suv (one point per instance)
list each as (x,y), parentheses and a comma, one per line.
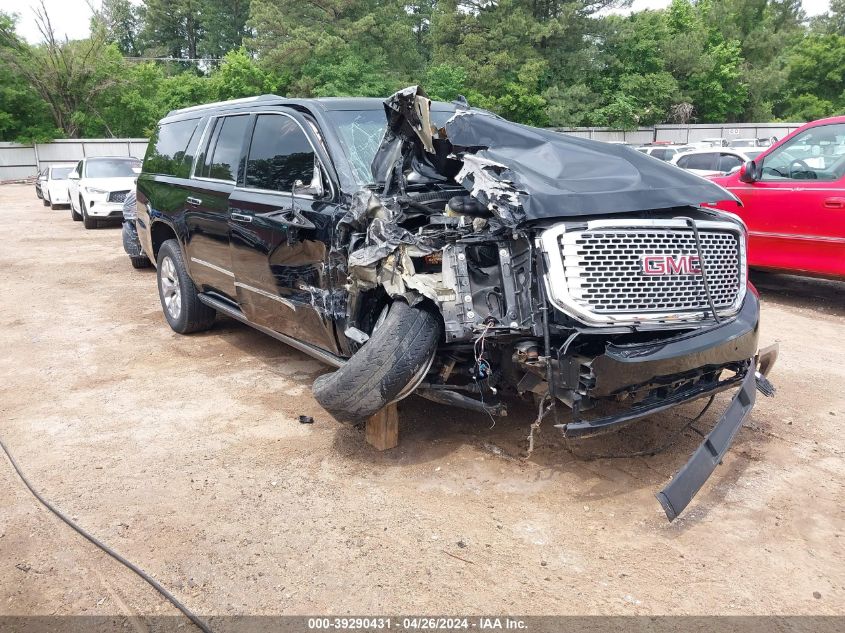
(98,187)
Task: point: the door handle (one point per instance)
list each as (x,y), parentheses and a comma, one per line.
(193,201)
(834,203)
(240,217)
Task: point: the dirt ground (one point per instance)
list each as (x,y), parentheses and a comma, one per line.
(185,453)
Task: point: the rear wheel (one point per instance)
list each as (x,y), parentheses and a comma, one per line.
(45,202)
(87,220)
(184,312)
(74,215)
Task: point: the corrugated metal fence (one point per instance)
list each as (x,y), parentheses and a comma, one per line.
(683,133)
(22,161)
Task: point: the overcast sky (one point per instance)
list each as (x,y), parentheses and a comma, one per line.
(72,17)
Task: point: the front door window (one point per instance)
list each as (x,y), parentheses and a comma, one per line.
(817,154)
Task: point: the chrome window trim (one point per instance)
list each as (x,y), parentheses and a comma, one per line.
(313,148)
(557,288)
(208,126)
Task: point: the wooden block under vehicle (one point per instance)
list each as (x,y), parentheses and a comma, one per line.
(382,430)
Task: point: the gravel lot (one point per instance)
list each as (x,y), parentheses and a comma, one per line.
(186,455)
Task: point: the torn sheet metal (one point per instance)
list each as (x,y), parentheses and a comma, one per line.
(523,173)
(384,237)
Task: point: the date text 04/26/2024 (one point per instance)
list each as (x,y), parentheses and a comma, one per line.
(417,624)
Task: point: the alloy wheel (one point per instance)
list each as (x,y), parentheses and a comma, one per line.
(171,291)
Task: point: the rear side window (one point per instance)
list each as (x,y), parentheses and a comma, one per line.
(698,161)
(279,154)
(224,149)
(728,162)
(168,150)
(661,154)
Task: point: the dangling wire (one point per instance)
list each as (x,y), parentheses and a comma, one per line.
(482,369)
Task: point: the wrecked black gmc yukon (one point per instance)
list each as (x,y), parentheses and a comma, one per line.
(439,249)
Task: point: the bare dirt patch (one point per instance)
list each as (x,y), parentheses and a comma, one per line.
(185,453)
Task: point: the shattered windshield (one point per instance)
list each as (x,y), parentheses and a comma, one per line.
(361,132)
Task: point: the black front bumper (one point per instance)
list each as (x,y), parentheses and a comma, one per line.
(731,344)
(677,494)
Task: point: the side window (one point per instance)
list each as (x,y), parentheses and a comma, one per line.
(704,161)
(167,152)
(728,162)
(224,148)
(279,154)
(659,153)
(683,162)
(816,154)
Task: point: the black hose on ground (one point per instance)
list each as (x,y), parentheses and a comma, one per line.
(108,550)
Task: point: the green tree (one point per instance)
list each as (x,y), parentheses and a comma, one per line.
(120,22)
(24,116)
(69,76)
(239,75)
(816,78)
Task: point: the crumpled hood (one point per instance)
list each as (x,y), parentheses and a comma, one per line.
(523,173)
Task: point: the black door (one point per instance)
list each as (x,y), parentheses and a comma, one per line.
(279,238)
(207,205)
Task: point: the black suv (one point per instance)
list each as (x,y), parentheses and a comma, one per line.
(435,248)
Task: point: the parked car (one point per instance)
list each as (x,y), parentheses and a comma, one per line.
(716,141)
(793,201)
(714,162)
(39,183)
(131,244)
(98,187)
(743,143)
(463,267)
(55,187)
(664,151)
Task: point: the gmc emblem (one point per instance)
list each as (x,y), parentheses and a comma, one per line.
(671,265)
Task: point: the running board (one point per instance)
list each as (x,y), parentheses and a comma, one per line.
(230,311)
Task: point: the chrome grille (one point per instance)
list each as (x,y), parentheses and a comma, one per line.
(604,270)
(597,273)
(118,196)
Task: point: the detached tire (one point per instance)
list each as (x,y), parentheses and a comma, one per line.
(375,376)
(184,311)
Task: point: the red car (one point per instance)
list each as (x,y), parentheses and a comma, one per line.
(793,201)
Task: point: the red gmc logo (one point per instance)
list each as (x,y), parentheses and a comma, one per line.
(671,265)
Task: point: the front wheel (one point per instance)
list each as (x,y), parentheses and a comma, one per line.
(87,221)
(45,202)
(74,215)
(386,368)
(184,312)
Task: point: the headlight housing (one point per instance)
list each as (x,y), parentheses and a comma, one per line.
(95,191)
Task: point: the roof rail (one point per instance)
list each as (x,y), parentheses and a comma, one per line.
(243,100)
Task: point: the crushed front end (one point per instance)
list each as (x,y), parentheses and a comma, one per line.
(585,277)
